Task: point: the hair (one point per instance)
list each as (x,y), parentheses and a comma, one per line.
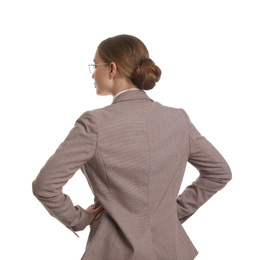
(132,59)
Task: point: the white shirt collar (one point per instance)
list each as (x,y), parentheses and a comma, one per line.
(123,92)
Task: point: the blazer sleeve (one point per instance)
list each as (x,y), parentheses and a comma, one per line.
(214,173)
(77,148)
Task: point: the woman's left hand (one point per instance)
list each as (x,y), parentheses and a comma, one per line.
(94,212)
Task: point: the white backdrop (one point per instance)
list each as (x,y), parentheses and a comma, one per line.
(209,55)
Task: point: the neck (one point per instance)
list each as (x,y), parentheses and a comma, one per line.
(123,85)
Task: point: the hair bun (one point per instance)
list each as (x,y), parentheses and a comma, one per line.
(146,74)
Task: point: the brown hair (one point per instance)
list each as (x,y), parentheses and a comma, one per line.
(132,59)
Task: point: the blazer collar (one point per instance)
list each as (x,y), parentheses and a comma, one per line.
(131,95)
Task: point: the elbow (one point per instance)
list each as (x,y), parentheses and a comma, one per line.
(39,188)
(227,176)
(221,178)
(230,176)
(35,188)
(42,189)
(228,173)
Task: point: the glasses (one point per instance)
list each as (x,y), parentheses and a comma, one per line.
(92,67)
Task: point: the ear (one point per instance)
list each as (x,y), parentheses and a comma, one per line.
(113,70)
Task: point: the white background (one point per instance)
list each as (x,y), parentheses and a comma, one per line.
(209,55)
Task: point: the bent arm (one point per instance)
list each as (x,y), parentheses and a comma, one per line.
(77,148)
(214,172)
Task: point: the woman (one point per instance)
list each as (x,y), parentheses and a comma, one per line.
(133,154)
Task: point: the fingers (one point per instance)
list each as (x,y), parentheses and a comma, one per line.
(97,210)
(94,212)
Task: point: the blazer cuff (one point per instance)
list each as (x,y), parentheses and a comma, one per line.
(80,222)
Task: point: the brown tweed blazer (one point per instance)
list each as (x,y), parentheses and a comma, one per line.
(134,154)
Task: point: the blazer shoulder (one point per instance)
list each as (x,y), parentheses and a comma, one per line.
(86,116)
(185,115)
(87,121)
(179,112)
